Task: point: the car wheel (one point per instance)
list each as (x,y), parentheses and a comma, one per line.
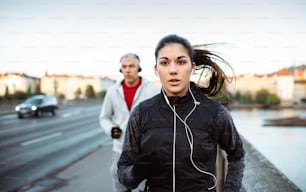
(38,113)
(20,116)
(53,112)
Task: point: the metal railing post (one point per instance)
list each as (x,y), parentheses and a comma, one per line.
(221,169)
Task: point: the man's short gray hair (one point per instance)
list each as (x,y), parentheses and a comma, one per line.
(129,55)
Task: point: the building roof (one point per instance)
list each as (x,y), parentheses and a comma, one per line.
(284,72)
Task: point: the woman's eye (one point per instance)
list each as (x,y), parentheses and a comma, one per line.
(163,62)
(181,62)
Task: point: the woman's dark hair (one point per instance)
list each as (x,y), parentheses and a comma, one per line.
(204,60)
(173,39)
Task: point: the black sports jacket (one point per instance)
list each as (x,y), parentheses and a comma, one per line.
(151,129)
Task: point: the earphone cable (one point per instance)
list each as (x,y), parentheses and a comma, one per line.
(189,138)
(173,157)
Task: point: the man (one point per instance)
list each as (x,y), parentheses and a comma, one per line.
(119,101)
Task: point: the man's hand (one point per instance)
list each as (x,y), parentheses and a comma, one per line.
(116,132)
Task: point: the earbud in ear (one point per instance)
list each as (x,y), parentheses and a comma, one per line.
(156,73)
(192,72)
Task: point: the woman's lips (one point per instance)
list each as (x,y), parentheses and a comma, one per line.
(174,82)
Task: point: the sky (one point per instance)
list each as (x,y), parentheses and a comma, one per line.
(87,37)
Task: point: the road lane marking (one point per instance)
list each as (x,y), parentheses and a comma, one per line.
(39,139)
(65,115)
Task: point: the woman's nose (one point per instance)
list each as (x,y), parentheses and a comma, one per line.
(172,68)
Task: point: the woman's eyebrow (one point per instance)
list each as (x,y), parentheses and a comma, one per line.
(163,58)
(180,57)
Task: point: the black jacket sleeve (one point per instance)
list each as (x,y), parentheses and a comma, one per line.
(230,141)
(129,152)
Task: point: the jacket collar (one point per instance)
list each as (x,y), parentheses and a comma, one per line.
(144,81)
(179,100)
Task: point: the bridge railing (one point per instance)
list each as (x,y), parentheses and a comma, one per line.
(259,173)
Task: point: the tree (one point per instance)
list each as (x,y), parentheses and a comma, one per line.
(29,93)
(61,96)
(265,98)
(101,94)
(247,97)
(223,97)
(90,92)
(37,89)
(273,99)
(6,94)
(238,97)
(77,93)
(261,96)
(19,95)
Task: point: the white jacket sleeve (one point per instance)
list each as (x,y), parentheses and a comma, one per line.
(106,114)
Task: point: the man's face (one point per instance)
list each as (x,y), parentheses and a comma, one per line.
(129,69)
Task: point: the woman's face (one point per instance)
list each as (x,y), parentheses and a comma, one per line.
(174,67)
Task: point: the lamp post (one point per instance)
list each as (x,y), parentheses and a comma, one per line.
(55,84)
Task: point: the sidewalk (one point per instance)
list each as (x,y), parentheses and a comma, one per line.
(92,173)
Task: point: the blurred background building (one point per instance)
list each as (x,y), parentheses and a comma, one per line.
(288,84)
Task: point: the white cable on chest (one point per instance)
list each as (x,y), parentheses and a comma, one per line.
(189,137)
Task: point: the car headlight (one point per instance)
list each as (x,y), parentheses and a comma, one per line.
(17,108)
(34,108)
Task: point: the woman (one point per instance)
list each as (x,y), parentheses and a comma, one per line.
(172,138)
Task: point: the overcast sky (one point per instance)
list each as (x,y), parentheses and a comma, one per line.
(87,37)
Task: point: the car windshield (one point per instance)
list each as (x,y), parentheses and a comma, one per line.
(33,101)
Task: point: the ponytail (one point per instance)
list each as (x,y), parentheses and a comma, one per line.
(206,63)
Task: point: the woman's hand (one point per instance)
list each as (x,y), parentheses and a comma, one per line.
(146,165)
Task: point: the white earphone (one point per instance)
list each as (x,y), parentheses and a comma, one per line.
(189,137)
(156,73)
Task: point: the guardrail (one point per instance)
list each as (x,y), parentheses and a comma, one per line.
(259,173)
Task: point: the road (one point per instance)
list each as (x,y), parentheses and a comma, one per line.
(33,147)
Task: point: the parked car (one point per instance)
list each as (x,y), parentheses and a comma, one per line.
(37,105)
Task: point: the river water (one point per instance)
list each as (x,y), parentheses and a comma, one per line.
(285,147)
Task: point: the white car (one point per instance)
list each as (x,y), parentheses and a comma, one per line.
(37,105)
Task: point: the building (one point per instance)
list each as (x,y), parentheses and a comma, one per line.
(289,84)
(285,86)
(252,83)
(67,85)
(12,82)
(52,84)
